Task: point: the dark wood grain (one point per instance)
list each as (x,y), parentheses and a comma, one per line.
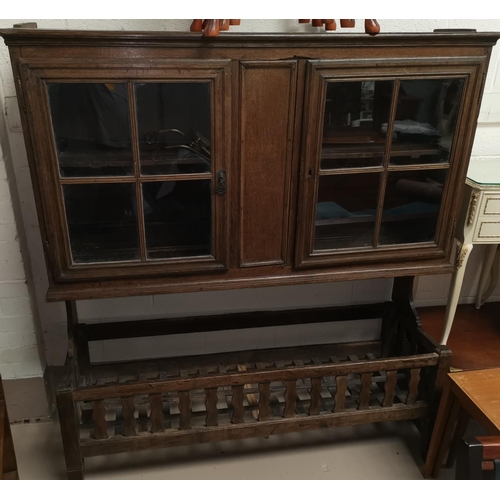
(274,426)
(99,417)
(340,396)
(231,321)
(211,406)
(156,413)
(185,410)
(128,416)
(364,394)
(271,71)
(315,396)
(264,409)
(290,398)
(238,408)
(291,373)
(390,388)
(413,386)
(267,98)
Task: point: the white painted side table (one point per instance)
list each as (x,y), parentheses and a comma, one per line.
(479,223)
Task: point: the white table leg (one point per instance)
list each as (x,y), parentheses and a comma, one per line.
(455,287)
(491,251)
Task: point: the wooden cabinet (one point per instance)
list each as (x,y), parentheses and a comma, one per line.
(247,160)
(168,162)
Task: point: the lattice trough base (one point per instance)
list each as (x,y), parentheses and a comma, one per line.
(176,405)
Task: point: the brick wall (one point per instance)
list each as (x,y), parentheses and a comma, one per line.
(19,356)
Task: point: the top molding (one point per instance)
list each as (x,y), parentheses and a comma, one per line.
(25,36)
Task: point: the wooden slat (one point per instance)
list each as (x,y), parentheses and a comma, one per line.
(290,398)
(267,375)
(120,444)
(99,417)
(264,408)
(413,386)
(184,410)
(389,388)
(211,406)
(237,402)
(340,398)
(364,394)
(128,416)
(156,413)
(119,421)
(251,398)
(315,396)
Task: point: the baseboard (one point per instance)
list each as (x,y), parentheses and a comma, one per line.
(442,301)
(29,399)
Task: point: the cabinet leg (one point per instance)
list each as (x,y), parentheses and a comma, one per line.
(455,288)
(491,251)
(70,432)
(441,432)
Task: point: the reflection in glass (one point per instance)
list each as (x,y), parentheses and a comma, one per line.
(178,218)
(412,205)
(352,129)
(426,118)
(174,127)
(346,210)
(91,128)
(102,222)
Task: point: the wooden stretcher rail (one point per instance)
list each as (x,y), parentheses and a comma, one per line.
(259,376)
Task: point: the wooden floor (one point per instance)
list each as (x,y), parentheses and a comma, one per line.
(474,338)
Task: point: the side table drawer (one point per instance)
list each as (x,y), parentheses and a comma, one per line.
(487,230)
(491,204)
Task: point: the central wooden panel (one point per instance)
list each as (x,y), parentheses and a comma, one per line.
(266,118)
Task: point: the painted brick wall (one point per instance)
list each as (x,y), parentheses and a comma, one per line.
(19,357)
(432,290)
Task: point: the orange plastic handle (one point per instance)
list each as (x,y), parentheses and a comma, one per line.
(212,28)
(197,25)
(330,24)
(372,27)
(348,23)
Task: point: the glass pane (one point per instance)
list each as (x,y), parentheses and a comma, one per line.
(174,127)
(352,130)
(426,118)
(178,218)
(346,210)
(91,128)
(102,222)
(411,207)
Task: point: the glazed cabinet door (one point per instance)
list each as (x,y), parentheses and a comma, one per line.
(382,160)
(132,166)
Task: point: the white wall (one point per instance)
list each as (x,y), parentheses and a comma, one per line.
(431,291)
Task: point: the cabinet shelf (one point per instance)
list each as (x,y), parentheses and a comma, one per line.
(371,150)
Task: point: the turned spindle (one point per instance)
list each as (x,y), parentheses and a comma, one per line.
(224,24)
(317,23)
(234,22)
